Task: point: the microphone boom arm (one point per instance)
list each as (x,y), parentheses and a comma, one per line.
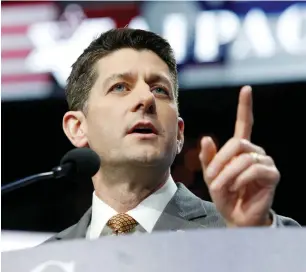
(25,181)
(77,162)
(57,172)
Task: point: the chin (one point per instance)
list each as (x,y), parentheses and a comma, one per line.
(148,158)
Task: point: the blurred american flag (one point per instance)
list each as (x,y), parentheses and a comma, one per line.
(17,81)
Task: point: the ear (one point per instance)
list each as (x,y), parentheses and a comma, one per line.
(75,128)
(180,135)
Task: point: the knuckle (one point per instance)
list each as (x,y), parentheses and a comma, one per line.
(234,141)
(256,169)
(276,175)
(240,144)
(270,160)
(214,189)
(234,160)
(261,150)
(207,180)
(245,159)
(248,158)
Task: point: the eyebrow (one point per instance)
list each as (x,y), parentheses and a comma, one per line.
(161,78)
(113,77)
(152,78)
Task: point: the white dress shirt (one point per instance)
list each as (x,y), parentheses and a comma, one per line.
(146,213)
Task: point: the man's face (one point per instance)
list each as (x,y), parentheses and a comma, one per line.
(132,115)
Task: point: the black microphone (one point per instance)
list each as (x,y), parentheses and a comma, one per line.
(78,162)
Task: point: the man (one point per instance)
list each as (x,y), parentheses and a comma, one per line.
(122,93)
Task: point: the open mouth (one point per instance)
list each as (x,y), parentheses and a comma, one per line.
(143,128)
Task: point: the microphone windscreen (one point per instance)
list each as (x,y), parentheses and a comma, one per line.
(85,161)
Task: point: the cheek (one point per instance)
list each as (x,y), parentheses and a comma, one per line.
(171,125)
(105,121)
(97,122)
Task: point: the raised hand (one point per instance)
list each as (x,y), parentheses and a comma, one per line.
(240,177)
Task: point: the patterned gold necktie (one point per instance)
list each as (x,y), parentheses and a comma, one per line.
(122,223)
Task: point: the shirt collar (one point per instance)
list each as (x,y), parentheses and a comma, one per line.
(150,209)
(146,213)
(101,213)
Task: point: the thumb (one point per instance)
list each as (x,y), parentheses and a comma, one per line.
(207,153)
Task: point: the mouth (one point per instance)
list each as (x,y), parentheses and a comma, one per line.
(144,128)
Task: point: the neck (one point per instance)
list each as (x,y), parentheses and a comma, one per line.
(124,189)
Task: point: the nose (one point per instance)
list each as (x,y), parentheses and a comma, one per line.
(144,100)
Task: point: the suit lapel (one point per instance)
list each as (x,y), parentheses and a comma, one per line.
(78,230)
(182,208)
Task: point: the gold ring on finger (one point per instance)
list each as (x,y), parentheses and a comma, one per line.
(255,156)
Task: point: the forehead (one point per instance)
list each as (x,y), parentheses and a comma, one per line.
(133,61)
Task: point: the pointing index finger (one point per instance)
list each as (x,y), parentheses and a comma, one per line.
(244,119)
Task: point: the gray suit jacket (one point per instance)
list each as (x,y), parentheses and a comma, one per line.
(184,211)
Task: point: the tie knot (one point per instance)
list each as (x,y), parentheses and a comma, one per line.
(122,223)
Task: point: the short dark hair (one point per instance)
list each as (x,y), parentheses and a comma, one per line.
(84,75)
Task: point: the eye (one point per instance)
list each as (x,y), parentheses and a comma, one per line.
(119,87)
(161,91)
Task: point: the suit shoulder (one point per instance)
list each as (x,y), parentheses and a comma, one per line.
(213,218)
(75,231)
(66,234)
(60,235)
(209,206)
(286,221)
